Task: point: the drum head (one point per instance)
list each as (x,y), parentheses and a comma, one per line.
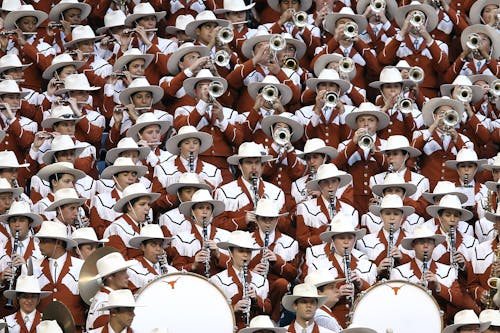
(399,306)
(182,302)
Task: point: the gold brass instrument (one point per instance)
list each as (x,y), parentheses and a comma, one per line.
(222,58)
(225,35)
(377,5)
(425,268)
(270,93)
(299,19)
(450,119)
(416,74)
(205,247)
(417,18)
(331,98)
(12,279)
(291,63)
(351,30)
(246,295)
(333,206)
(493,282)
(473,41)
(452,234)
(465,94)
(404,105)
(366,141)
(495,87)
(163,262)
(390,244)
(191,161)
(266,246)
(255,188)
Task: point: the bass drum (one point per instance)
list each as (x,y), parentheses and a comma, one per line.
(398,306)
(181,303)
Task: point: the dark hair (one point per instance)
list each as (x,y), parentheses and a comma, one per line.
(55,177)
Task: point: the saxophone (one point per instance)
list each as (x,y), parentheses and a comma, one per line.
(490,304)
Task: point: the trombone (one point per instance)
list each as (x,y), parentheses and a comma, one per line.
(291,63)
(405,105)
(473,41)
(450,119)
(331,98)
(346,66)
(366,141)
(225,35)
(377,5)
(215,90)
(495,87)
(222,58)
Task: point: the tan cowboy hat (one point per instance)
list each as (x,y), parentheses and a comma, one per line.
(390,74)
(11,87)
(449,201)
(482,77)
(328,75)
(296,128)
(131,192)
(63,5)
(114,18)
(143,9)
(285,91)
(492,217)
(76,82)
(9,160)
(365,109)
(82,33)
(202,18)
(391,201)
(262,323)
(240,239)
(495,165)
(55,230)
(231,6)
(275,5)
(188,132)
(145,120)
(202,196)
(403,64)
(421,231)
(465,318)
(390,7)
(490,315)
(48,326)
(341,224)
(303,290)
(130,55)
(23,11)
(444,187)
(325,59)
(477,8)
(21,208)
(394,179)
(10,61)
(492,186)
(318,146)
(26,284)
(87,235)
(185,48)
(460,81)
(60,61)
(187,179)
(400,142)
(432,18)
(465,155)
(124,164)
(121,298)
(112,263)
(189,84)
(300,46)
(328,171)
(149,231)
(268,208)
(491,32)
(249,149)
(6,188)
(65,196)
(60,113)
(249,44)
(61,143)
(140,84)
(431,106)
(60,167)
(181,22)
(345,12)
(321,278)
(126,144)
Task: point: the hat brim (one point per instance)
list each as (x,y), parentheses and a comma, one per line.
(49,122)
(404,83)
(52,169)
(300,47)
(249,44)
(70,243)
(135,242)
(331,20)
(49,72)
(432,18)
(492,34)
(81,241)
(173,60)
(327,236)
(304,5)
(75,41)
(112,170)
(193,25)
(36,219)
(482,77)
(126,199)
(135,129)
(123,61)
(62,202)
(173,143)
(296,128)
(22,94)
(65,90)
(218,207)
(134,17)
(156,91)
(174,188)
(343,84)
(255,329)
(430,197)
(477,92)
(433,210)
(407,243)
(492,186)
(48,156)
(409,188)
(128,264)
(12,17)
(289,300)
(55,12)
(407,210)
(114,153)
(284,90)
(344,178)
(413,152)
(16,191)
(190,84)
(242,9)
(383,118)
(326,150)
(492,217)
(227,245)
(235,159)
(11,294)
(6,68)
(452,164)
(433,104)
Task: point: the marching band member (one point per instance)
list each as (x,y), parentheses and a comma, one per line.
(121,312)
(451,207)
(467,320)
(67,206)
(484,229)
(86,242)
(7,198)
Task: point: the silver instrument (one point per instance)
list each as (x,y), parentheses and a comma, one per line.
(222,58)
(417,18)
(79,222)
(495,87)
(54,25)
(266,247)
(366,141)
(246,295)
(16,185)
(300,19)
(473,41)
(254,179)
(14,33)
(205,247)
(12,279)
(215,90)
(377,5)
(416,74)
(225,35)
(425,268)
(466,181)
(390,169)
(163,262)
(351,30)
(348,279)
(450,119)
(270,93)
(390,244)
(191,161)
(129,31)
(405,105)
(277,43)
(452,234)
(281,136)
(465,94)
(333,206)
(346,65)
(331,98)
(436,3)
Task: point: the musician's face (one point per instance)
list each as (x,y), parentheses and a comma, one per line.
(389,90)
(152,249)
(201,211)
(395,190)
(86,250)
(250,165)
(289,4)
(48,246)
(65,156)
(21,224)
(133,154)
(422,245)
(305,308)
(66,127)
(188,60)
(14,100)
(124,179)
(236,16)
(65,181)
(16,73)
(186,193)
(151,134)
(137,67)
(190,145)
(27,23)
(201,89)
(142,99)
(369,122)
(204,32)
(328,86)
(328,185)
(86,46)
(474,328)
(332,292)
(148,22)
(440,112)
(123,316)
(493,329)
(239,255)
(466,169)
(140,209)
(287,52)
(343,241)
(118,280)
(5,201)
(268,223)
(10,174)
(80,95)
(495,173)
(449,218)
(397,158)
(28,302)
(392,216)
(314,160)
(488,12)
(73,16)
(68,213)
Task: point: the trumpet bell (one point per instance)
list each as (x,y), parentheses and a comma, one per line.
(277,43)
(291,63)
(225,35)
(417,18)
(346,65)
(405,105)
(465,94)
(495,87)
(281,136)
(351,30)
(416,74)
(330,99)
(377,5)
(215,89)
(473,41)
(270,93)
(450,118)
(300,19)
(494,282)
(366,141)
(222,58)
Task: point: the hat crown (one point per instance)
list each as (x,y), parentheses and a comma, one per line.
(328,170)
(10,5)
(466,155)
(66,193)
(393,178)
(402,63)
(182,21)
(26,8)
(188,129)
(48,326)
(397,142)
(313,145)
(271,79)
(82,32)
(267,207)
(390,75)
(114,18)
(121,298)
(10,60)
(134,188)
(234,5)
(8,159)
(490,315)
(421,231)
(62,110)
(466,317)
(450,201)
(27,284)
(124,161)
(9,86)
(144,8)
(205,15)
(4,184)
(201,195)
(109,262)
(87,233)
(319,277)
(443,187)
(462,80)
(147,117)
(329,74)
(346,11)
(52,229)
(190,178)
(367,107)
(204,73)
(62,142)
(151,231)
(76,82)
(127,142)
(139,82)
(185,46)
(305,290)
(261,321)
(133,52)
(19,208)
(63,57)
(342,223)
(250,149)
(241,239)
(391,201)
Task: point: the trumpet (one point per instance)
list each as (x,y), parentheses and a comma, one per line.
(377,5)
(416,74)
(277,43)
(215,89)
(246,295)
(270,93)
(351,30)
(225,35)
(331,98)
(464,94)
(129,31)
(366,141)
(205,247)
(495,87)
(417,18)
(12,279)
(300,19)
(266,246)
(281,136)
(493,282)
(222,58)
(346,65)
(163,262)
(472,42)
(450,119)
(405,105)
(291,63)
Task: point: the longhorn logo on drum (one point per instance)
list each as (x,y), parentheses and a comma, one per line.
(172,283)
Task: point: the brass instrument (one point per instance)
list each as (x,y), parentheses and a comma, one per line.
(390,244)
(300,19)
(366,141)
(404,105)
(225,35)
(254,179)
(351,30)
(129,31)
(246,295)
(450,119)
(277,43)
(417,18)
(163,262)
(266,247)
(416,74)
(425,268)
(205,247)
(191,161)
(333,206)
(270,93)
(215,90)
(473,41)
(495,87)
(12,279)
(331,98)
(291,63)
(488,204)
(282,136)
(494,297)
(346,66)
(313,173)
(452,234)
(222,58)
(465,94)
(377,5)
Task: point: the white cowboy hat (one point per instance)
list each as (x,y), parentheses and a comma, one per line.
(249,149)
(421,231)
(82,33)
(230,6)
(394,179)
(431,106)
(296,128)
(140,84)
(202,196)
(492,186)
(300,46)
(477,8)
(365,109)
(65,196)
(11,87)
(262,323)
(48,326)
(275,5)
(491,32)
(390,7)
(328,75)
(149,231)
(482,77)
(355,328)
(55,230)
(325,59)
(390,74)
(249,44)
(303,290)
(189,84)
(345,12)
(239,239)
(10,61)
(59,167)
(26,284)
(187,179)
(9,160)
(130,55)
(268,208)
(23,11)
(87,235)
(112,263)
(124,164)
(328,171)
(285,91)
(114,18)
(464,318)
(429,12)
(188,132)
(145,120)
(143,9)
(126,144)
(10,5)
(318,146)
(63,5)
(493,166)
(121,298)
(341,224)
(133,191)
(391,201)
(76,82)
(462,81)
(59,143)
(321,278)
(202,18)
(400,142)
(490,315)
(403,64)
(6,188)
(60,113)
(449,201)
(465,155)
(185,48)
(180,24)
(60,61)
(21,208)
(444,187)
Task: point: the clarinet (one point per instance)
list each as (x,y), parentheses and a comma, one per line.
(246,295)
(266,246)
(12,280)
(78,221)
(191,161)
(348,280)
(205,247)
(16,185)
(425,268)
(333,209)
(452,234)
(163,262)
(390,245)
(255,189)
(390,169)
(466,180)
